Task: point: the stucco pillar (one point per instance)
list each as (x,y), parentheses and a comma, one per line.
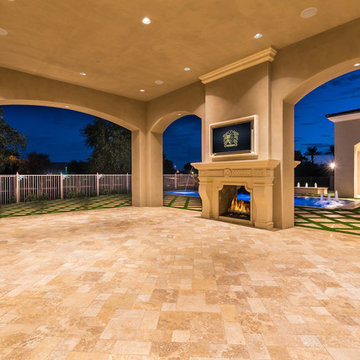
(138,153)
(154,169)
(287,167)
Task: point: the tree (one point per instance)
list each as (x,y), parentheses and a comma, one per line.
(299,156)
(187,168)
(111,145)
(36,164)
(331,150)
(12,143)
(312,151)
(168,166)
(78,167)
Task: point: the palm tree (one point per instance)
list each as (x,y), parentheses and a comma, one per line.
(312,151)
(331,150)
(299,156)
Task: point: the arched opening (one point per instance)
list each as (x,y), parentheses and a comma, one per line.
(154,150)
(314,144)
(51,132)
(181,147)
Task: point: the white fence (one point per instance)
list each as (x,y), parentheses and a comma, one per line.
(18,188)
(180,182)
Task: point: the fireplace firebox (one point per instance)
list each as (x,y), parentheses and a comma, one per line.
(235,202)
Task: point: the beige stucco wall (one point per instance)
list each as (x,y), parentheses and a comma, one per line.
(347,135)
(238,95)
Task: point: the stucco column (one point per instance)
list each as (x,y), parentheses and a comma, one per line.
(287,167)
(154,169)
(138,153)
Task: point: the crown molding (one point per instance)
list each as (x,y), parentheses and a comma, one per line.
(247,62)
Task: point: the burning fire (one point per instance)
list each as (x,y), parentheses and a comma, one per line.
(239,207)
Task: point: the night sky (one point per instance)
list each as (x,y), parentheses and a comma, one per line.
(57,132)
(311,125)
(182,141)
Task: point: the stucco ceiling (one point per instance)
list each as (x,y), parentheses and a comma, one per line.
(107,40)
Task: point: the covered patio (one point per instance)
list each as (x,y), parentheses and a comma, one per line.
(131,283)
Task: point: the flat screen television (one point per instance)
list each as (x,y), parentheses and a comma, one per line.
(233,137)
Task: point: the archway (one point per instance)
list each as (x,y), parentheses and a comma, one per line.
(87,111)
(286,195)
(181,148)
(155,152)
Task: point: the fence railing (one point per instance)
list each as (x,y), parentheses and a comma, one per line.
(19,188)
(180,182)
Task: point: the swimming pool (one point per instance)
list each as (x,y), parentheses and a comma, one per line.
(298,200)
(184,193)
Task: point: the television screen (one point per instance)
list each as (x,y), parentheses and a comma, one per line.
(232,138)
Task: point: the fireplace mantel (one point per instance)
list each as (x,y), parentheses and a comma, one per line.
(256,175)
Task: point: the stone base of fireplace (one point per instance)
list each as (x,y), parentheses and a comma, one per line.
(258,178)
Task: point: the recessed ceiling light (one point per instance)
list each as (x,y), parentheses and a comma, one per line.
(158,82)
(309,12)
(258,36)
(3,32)
(67,106)
(83,74)
(146,21)
(357,64)
(179,113)
(187,69)
(142,90)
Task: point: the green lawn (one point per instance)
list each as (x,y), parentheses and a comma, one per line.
(67,205)
(346,221)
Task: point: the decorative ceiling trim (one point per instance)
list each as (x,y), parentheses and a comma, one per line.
(247,62)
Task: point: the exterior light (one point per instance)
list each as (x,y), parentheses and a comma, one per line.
(83,74)
(309,12)
(332,165)
(258,36)
(187,69)
(146,21)
(3,32)
(142,90)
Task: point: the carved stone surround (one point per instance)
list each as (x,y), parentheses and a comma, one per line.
(257,177)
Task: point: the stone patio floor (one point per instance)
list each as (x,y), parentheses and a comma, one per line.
(162,283)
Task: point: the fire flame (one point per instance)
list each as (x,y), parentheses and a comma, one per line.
(239,206)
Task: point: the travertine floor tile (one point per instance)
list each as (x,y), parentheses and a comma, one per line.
(161,283)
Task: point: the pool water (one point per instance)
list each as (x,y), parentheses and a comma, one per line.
(184,193)
(315,202)
(298,200)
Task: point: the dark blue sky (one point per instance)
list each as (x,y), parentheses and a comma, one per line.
(52,131)
(182,141)
(57,132)
(311,125)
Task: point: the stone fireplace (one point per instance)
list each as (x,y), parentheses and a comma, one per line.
(238,191)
